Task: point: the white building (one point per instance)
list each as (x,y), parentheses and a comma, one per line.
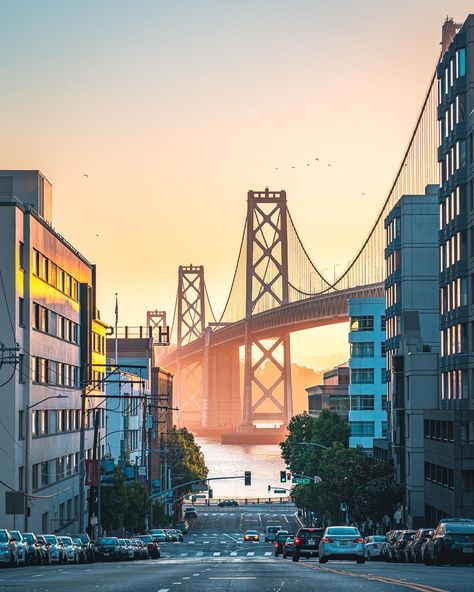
(48,308)
(367,388)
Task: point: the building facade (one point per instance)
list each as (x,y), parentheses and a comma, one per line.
(333,394)
(48,313)
(412,346)
(449,430)
(367,415)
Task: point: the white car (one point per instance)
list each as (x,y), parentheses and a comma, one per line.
(158,534)
(342,542)
(373,546)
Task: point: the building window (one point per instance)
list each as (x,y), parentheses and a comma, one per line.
(462,61)
(362,375)
(385,376)
(362,350)
(21,424)
(44,474)
(21,312)
(45,522)
(384,429)
(21,255)
(362,323)
(21,485)
(362,402)
(21,368)
(35,475)
(383,349)
(362,429)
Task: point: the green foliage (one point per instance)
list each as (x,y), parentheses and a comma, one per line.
(348,475)
(185,459)
(327,429)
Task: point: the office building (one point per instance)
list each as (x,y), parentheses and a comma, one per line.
(333,394)
(412,346)
(367,397)
(48,312)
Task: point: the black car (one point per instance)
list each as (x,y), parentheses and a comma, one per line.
(452,542)
(34,553)
(280,540)
(398,547)
(228,504)
(46,549)
(87,544)
(306,543)
(108,548)
(414,548)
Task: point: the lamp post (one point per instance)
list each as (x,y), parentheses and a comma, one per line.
(314,444)
(26,451)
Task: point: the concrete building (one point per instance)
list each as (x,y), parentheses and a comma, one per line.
(48,312)
(412,319)
(367,397)
(449,430)
(332,394)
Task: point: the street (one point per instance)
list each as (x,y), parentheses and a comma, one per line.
(215,558)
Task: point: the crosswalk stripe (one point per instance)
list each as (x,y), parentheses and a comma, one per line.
(184,554)
(199,554)
(267,554)
(233,554)
(250,554)
(163,590)
(216,554)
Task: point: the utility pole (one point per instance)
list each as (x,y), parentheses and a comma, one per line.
(82,459)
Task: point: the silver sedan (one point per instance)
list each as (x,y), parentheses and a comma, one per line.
(342,542)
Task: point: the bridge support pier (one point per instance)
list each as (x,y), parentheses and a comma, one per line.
(223,390)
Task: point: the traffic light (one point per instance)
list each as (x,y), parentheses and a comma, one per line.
(288,476)
(248,478)
(269,489)
(282,476)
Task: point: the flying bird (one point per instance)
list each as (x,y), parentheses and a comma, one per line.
(317,159)
(293,167)
(329,164)
(85,175)
(308,164)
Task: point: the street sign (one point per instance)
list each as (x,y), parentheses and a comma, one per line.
(199,487)
(92,472)
(279,491)
(14,502)
(300,480)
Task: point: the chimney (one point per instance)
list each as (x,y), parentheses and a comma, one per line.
(448,32)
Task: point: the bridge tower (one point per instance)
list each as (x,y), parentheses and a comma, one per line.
(266,400)
(191,322)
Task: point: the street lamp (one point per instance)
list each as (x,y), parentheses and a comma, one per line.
(314,444)
(26,450)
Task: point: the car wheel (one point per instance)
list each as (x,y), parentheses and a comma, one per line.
(360,560)
(276,553)
(295,558)
(323,560)
(427,560)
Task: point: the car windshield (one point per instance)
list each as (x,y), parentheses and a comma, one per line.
(16,535)
(66,540)
(378,539)
(77,540)
(251,532)
(3,537)
(342,531)
(82,537)
(459,528)
(107,541)
(289,539)
(51,538)
(146,538)
(157,531)
(122,541)
(29,537)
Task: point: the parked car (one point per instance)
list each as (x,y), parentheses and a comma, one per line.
(81,549)
(152,545)
(72,550)
(86,541)
(399,544)
(391,536)
(183,526)
(228,504)
(373,546)
(306,543)
(415,547)
(158,534)
(21,545)
(180,534)
(280,540)
(8,548)
(34,553)
(57,550)
(341,542)
(190,513)
(108,548)
(45,548)
(141,550)
(452,542)
(288,547)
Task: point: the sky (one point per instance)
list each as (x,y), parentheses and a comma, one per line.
(175,109)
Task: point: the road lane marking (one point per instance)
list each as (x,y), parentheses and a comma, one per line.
(184,554)
(381,579)
(194,576)
(267,553)
(186,577)
(233,578)
(233,554)
(163,590)
(199,554)
(250,554)
(217,554)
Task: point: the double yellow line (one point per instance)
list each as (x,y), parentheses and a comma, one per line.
(381,579)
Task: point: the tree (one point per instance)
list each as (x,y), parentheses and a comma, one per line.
(186,461)
(326,429)
(136,507)
(113,502)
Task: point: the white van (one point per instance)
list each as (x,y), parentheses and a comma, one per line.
(270,533)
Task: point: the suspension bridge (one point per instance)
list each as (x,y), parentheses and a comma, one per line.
(276,290)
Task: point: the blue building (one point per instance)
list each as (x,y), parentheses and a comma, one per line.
(367,390)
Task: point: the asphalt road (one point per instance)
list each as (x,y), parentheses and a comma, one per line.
(214,558)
